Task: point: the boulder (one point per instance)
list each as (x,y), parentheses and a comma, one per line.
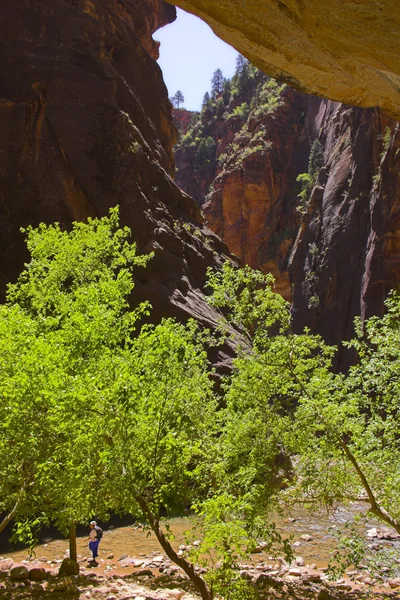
(37,574)
(19,573)
(69,567)
(6,564)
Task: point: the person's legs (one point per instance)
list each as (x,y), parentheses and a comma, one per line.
(94,548)
(93,545)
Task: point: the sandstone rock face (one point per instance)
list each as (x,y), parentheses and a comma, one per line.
(346,256)
(345,51)
(85,124)
(182,118)
(339,256)
(253,206)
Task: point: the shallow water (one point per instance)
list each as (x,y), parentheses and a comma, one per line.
(133,541)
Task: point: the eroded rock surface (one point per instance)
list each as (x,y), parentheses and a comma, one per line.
(336,253)
(345,51)
(85,124)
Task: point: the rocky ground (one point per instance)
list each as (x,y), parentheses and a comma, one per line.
(154,577)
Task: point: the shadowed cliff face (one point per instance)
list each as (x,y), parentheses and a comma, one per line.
(346,256)
(85,124)
(345,51)
(335,253)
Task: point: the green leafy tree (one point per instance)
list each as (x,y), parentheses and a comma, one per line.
(308,180)
(71,303)
(326,437)
(97,416)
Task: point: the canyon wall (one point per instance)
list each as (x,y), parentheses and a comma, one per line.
(345,51)
(85,124)
(333,245)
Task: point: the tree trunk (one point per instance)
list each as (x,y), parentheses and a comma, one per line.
(72,543)
(188,567)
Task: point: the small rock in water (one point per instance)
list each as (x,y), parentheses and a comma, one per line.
(294,572)
(157,559)
(306,537)
(296,544)
(394,583)
(299,560)
(110,556)
(371,533)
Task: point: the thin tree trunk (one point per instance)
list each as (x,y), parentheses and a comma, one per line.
(188,567)
(10,515)
(377,510)
(72,543)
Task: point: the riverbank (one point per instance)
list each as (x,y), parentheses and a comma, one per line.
(131,566)
(154,577)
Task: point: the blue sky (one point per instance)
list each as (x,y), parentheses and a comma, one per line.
(189,54)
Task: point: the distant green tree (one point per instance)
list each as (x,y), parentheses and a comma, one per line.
(205,156)
(178,99)
(226,91)
(308,180)
(316,159)
(241,63)
(206,100)
(217,83)
(220,108)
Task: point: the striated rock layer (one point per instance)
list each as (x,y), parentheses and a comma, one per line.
(336,256)
(345,51)
(85,124)
(346,256)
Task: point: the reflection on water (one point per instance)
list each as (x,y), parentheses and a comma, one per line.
(135,542)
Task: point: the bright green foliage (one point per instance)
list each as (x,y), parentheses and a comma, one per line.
(229,529)
(251,300)
(63,319)
(295,431)
(161,421)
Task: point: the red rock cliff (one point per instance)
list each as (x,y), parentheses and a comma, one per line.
(336,253)
(85,124)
